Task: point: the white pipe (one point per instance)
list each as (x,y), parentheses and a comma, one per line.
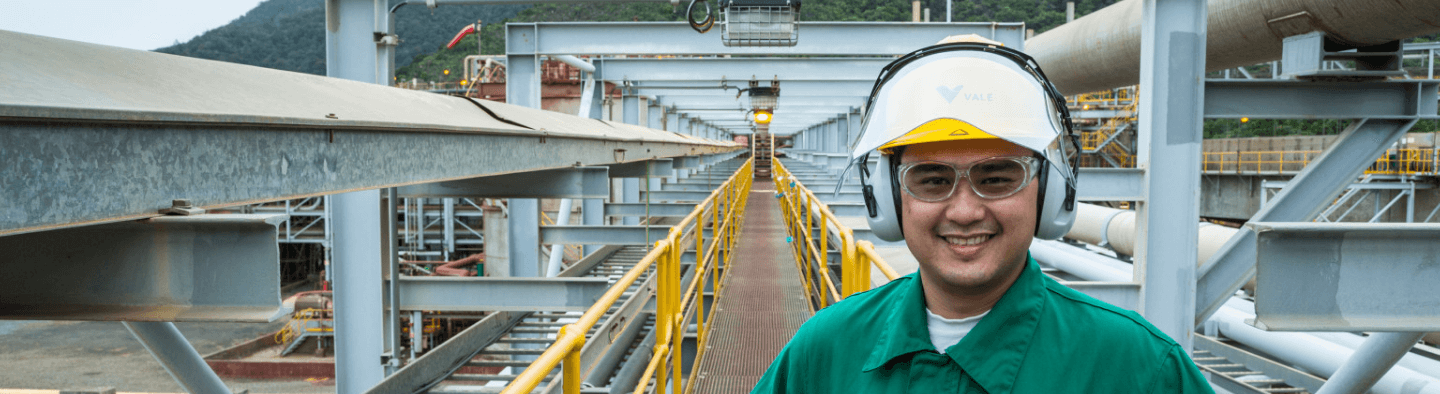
(575,62)
(1102,50)
(1308,351)
(557,251)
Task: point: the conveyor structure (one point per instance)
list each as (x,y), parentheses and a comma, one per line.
(177,177)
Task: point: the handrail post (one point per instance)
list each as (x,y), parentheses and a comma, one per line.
(824,260)
(862,280)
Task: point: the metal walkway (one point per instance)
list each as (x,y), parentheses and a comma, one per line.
(762,305)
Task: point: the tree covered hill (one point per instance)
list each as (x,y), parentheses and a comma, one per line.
(290,34)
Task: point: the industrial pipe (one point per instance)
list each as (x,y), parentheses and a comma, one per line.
(1308,351)
(575,62)
(1102,50)
(557,250)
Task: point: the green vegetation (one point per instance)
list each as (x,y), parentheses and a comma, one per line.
(290,34)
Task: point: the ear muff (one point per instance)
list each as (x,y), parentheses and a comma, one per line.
(882,202)
(1056,204)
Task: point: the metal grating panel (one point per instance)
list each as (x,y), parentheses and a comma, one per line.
(760,308)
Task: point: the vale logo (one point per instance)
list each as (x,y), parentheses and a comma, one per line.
(951,93)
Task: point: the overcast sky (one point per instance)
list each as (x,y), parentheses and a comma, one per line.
(134,24)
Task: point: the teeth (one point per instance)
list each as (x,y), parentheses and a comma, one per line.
(966,241)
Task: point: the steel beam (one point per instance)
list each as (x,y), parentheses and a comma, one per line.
(652,209)
(1111,184)
(1370,362)
(641,169)
(169,268)
(1346,276)
(1308,193)
(603,235)
(762,68)
(576,182)
(1122,294)
(273,136)
(474,294)
(676,38)
(1285,99)
(438,362)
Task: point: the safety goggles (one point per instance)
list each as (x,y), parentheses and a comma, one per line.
(992,178)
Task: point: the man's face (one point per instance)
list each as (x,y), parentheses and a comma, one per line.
(938,233)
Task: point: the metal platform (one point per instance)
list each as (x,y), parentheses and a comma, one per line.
(762,305)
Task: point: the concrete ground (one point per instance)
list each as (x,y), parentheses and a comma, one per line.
(55,355)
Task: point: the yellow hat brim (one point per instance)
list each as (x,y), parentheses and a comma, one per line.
(944,129)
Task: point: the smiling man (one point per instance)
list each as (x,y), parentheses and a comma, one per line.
(976,159)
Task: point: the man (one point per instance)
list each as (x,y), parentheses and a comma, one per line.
(976,159)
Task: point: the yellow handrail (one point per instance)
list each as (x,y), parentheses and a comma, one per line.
(800,209)
(1394,161)
(726,206)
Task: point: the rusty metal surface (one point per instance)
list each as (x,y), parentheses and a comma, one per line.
(760,308)
(1102,49)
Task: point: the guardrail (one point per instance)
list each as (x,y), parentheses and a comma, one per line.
(674,307)
(804,212)
(1394,161)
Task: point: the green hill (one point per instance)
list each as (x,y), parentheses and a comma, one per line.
(290,34)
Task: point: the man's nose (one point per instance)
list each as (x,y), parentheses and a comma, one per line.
(964,206)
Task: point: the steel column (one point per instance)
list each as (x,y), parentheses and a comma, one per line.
(592,214)
(352,53)
(184,364)
(524,222)
(1172,68)
(522,67)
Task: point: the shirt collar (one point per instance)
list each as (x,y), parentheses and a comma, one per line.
(991,353)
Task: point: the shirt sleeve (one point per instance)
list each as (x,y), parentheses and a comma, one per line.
(1178,374)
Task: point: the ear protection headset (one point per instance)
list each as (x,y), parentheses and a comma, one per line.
(1056,202)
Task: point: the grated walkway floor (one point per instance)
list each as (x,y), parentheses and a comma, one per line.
(761,307)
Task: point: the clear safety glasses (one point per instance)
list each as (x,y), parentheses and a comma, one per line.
(991,178)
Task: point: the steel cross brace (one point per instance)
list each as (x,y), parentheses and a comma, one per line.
(1308,193)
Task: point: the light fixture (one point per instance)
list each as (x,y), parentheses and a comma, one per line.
(1244,119)
(759,23)
(763,116)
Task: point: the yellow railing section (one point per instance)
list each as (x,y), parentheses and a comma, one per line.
(803,214)
(1095,141)
(1393,162)
(1105,97)
(301,322)
(674,307)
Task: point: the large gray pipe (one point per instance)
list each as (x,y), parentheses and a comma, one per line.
(1102,50)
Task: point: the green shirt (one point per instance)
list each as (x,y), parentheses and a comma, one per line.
(1041,337)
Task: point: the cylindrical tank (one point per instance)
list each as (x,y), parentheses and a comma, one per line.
(1102,50)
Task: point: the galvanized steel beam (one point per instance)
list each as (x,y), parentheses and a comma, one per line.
(577,182)
(641,169)
(603,235)
(473,294)
(1110,184)
(744,69)
(652,209)
(1347,277)
(171,268)
(1308,193)
(1271,99)
(676,38)
(135,143)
